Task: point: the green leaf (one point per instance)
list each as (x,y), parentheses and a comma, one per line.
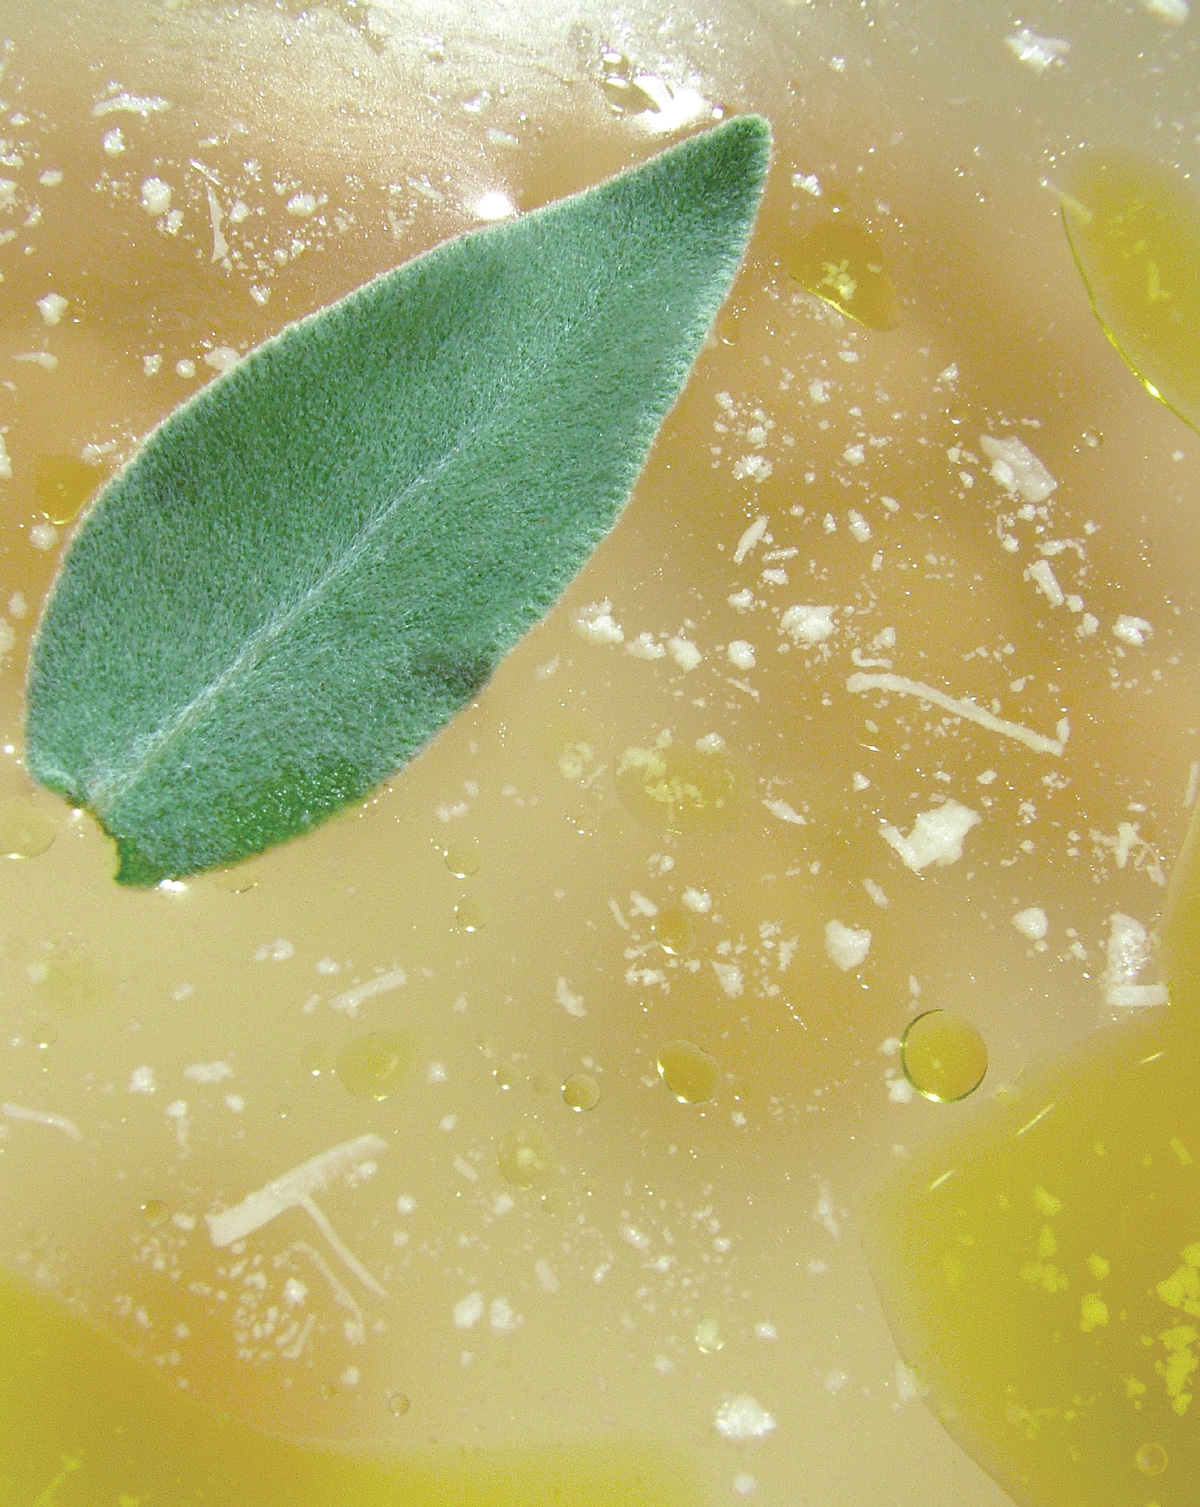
(312,565)
(1134,231)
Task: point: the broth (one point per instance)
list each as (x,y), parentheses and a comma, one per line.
(843,723)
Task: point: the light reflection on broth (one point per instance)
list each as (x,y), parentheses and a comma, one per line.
(672,788)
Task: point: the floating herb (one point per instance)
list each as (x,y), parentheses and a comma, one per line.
(312,565)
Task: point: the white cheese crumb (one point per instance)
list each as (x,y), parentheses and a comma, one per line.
(113,142)
(222,358)
(1036,52)
(572,1003)
(846,946)
(1043,577)
(684,652)
(729,975)
(207,1072)
(141,1081)
(303,205)
(808,625)
(937,836)
(1173,12)
(698,900)
(156,197)
(1032,923)
(860,529)
(645,646)
(53,306)
(1127,952)
(876,893)
(1132,630)
(468,1311)
(750,538)
(502,1318)
(741,654)
(742,600)
(785,813)
(1017,469)
(741,1418)
(595,622)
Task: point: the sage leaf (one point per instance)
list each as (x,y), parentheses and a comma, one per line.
(317,560)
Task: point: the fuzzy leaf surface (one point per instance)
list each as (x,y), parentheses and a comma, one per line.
(315,562)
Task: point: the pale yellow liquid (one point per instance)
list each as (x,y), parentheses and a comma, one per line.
(563,890)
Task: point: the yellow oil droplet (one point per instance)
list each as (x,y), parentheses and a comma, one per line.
(44,1036)
(471,915)
(155,1213)
(524,1158)
(462,858)
(376,1065)
(680,789)
(943,1055)
(1151,1459)
(581,1091)
(709,1338)
(397,1403)
(1134,230)
(62,484)
(843,264)
(25,832)
(673,931)
(692,1074)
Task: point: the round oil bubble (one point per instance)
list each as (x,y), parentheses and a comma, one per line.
(374,1066)
(154,1213)
(462,858)
(524,1158)
(397,1402)
(1151,1459)
(25,831)
(674,931)
(470,915)
(581,1091)
(692,1074)
(943,1055)
(679,788)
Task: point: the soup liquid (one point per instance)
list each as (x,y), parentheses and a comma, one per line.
(295,1136)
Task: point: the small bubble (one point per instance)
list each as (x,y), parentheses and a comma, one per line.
(44,1036)
(25,832)
(692,1074)
(470,915)
(397,1403)
(155,1213)
(709,1338)
(374,1066)
(674,931)
(943,1055)
(462,858)
(1092,438)
(524,1158)
(581,1091)
(1151,1459)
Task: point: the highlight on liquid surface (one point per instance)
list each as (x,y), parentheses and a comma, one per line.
(879,701)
